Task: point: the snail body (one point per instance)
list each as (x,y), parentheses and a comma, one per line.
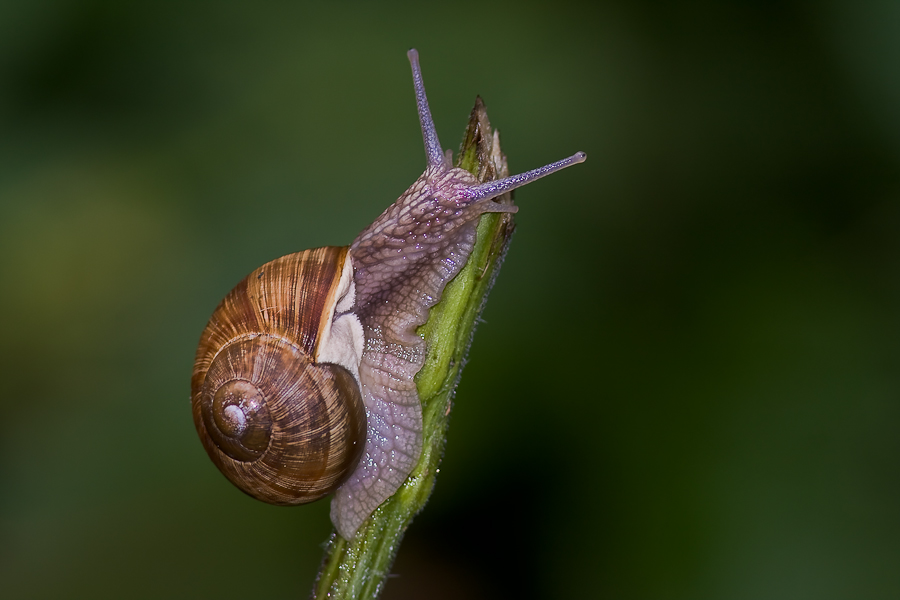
(303,382)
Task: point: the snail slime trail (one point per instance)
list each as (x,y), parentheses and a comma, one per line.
(303,383)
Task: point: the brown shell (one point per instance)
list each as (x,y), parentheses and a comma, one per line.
(281,427)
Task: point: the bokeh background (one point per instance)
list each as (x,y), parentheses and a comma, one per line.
(686,385)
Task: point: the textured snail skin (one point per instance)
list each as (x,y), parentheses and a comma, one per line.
(401,265)
(402,262)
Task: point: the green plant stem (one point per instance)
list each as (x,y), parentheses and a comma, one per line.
(357,568)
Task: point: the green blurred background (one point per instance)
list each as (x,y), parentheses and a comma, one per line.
(686,385)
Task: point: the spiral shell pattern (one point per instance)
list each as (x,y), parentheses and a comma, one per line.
(281,427)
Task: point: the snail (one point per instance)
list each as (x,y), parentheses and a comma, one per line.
(303,383)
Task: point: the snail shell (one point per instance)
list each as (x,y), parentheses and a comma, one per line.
(282,426)
(304,377)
